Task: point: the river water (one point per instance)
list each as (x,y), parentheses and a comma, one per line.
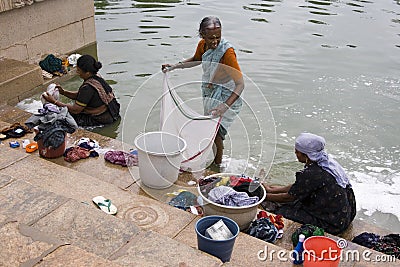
(327,67)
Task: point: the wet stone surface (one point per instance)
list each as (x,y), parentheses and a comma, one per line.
(87,228)
(13,241)
(28,203)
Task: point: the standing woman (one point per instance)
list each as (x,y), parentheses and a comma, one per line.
(222,81)
(95,103)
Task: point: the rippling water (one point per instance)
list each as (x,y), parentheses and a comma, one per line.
(328,67)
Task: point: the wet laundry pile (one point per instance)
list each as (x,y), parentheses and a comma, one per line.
(122,158)
(262,228)
(232,190)
(51,127)
(388,244)
(52,65)
(83,148)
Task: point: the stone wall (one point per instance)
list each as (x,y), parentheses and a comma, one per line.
(6,5)
(30,29)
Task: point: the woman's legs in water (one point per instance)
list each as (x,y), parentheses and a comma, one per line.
(219,149)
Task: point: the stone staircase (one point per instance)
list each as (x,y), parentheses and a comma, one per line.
(47,217)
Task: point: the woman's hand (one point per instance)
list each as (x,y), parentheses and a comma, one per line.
(49,98)
(219,110)
(60,89)
(167,67)
(277,189)
(268,188)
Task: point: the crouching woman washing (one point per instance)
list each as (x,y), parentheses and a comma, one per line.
(321,194)
(95,103)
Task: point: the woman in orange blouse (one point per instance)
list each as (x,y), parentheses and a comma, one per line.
(222,81)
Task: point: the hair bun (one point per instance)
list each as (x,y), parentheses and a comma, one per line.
(98,65)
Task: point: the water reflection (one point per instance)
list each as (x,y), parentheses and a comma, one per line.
(117,30)
(317,22)
(354,4)
(321,3)
(158,1)
(99,5)
(118,62)
(259,9)
(154,3)
(153,27)
(259,20)
(262,7)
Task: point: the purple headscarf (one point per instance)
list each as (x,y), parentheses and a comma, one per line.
(313,146)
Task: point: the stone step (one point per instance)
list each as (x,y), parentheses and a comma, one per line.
(18,79)
(36,247)
(55,220)
(163,221)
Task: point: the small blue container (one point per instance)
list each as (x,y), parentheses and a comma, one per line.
(221,249)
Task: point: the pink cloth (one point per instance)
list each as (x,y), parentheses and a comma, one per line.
(121,158)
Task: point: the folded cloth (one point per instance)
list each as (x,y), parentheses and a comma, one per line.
(121,158)
(226,195)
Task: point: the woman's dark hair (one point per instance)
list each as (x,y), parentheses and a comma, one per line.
(209,23)
(87,63)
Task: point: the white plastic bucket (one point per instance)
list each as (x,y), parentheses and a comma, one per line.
(160,157)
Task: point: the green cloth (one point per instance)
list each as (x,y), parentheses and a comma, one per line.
(51,64)
(307,230)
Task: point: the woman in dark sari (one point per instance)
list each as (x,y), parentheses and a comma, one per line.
(95,103)
(321,195)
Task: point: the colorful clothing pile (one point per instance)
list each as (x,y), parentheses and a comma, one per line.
(73,154)
(263,229)
(121,158)
(236,191)
(227,196)
(52,127)
(277,220)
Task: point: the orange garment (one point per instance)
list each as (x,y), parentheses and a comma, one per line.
(228,59)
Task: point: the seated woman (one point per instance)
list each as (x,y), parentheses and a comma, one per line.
(321,195)
(95,103)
